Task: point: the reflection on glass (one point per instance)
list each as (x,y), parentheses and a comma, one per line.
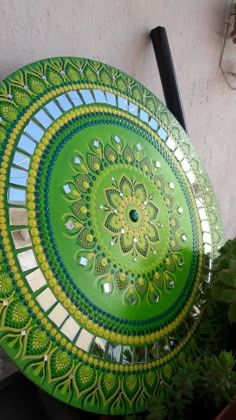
(162,133)
(202,214)
(207,238)
(75,98)
(46,299)
(205,226)
(179,155)
(36,280)
(140,354)
(26,144)
(133,109)
(111,99)
(153,124)
(87,96)
(143,116)
(191,177)
(122,103)
(27,260)
(127,355)
(34,131)
(164,346)
(58,315)
(185,165)
(21,238)
(18,216)
(18,177)
(43,118)
(171,143)
(153,351)
(53,110)
(16,196)
(99,96)
(64,103)
(84,340)
(99,347)
(196,189)
(70,328)
(114,352)
(21,160)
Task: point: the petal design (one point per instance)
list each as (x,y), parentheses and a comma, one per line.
(110,153)
(140,192)
(142,246)
(82,182)
(152,210)
(113,223)
(128,155)
(85,239)
(146,166)
(126,186)
(94,162)
(80,209)
(113,197)
(126,242)
(152,233)
(102,266)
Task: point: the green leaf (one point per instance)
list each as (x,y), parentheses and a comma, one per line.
(226,278)
(232,312)
(232,267)
(228,295)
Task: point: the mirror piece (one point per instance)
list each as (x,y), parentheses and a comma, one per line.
(27,260)
(36,280)
(99,96)
(16,196)
(164,346)
(64,103)
(75,98)
(207,238)
(84,340)
(99,347)
(83,261)
(191,177)
(153,351)
(196,189)
(127,354)
(70,328)
(21,160)
(162,133)
(87,96)
(18,216)
(114,352)
(140,354)
(21,238)
(53,110)
(207,248)
(179,155)
(34,131)
(202,214)
(143,116)
(107,288)
(133,109)
(205,226)
(58,315)
(69,225)
(26,144)
(153,124)
(43,118)
(18,177)
(111,99)
(171,144)
(67,188)
(185,165)
(122,103)
(46,299)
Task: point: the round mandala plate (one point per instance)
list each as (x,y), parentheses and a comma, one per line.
(108,227)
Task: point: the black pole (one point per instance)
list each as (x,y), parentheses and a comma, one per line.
(167,73)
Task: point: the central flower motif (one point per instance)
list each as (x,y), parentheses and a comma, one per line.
(132,217)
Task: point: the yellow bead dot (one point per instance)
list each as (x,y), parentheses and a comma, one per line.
(35,309)
(95,328)
(68,346)
(80,353)
(85,357)
(136,339)
(62,296)
(107,334)
(45,266)
(36,241)
(113,336)
(17,276)
(78,315)
(44,321)
(31,205)
(11,262)
(74,350)
(118,338)
(20,283)
(53,332)
(57,289)
(35,165)
(84,319)
(101,364)
(58,336)
(67,303)
(28,296)
(124,339)
(89,324)
(101,331)
(48,326)
(32,223)
(95,362)
(52,282)
(39,315)
(63,341)
(48,274)
(5,241)
(72,309)
(130,340)
(41,257)
(9,254)
(142,339)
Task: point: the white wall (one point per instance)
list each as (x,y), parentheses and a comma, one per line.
(116,32)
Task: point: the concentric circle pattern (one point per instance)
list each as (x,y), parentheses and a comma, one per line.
(108,228)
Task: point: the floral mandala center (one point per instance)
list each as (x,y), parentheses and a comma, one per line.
(132,217)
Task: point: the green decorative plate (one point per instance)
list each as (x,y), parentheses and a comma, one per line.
(108,225)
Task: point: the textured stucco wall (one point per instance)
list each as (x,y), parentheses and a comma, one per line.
(116,32)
